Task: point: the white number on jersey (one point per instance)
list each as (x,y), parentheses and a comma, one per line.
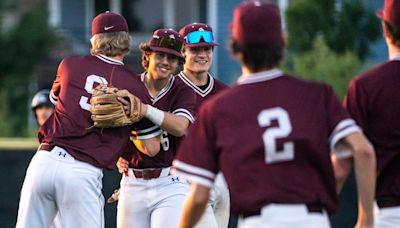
(271,134)
(89,86)
(164,141)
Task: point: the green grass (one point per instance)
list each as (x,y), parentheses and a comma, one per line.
(18,143)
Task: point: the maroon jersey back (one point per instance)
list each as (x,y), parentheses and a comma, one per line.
(175,98)
(213,87)
(69,126)
(373,101)
(271,138)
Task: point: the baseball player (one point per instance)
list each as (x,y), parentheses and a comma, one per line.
(41,106)
(42,109)
(149,195)
(198,53)
(373,101)
(271,136)
(64,176)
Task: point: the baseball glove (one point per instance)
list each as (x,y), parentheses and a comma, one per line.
(107,111)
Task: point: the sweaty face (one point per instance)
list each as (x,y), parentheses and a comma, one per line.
(162,65)
(43,113)
(198,59)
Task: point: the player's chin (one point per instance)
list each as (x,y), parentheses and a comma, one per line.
(202,67)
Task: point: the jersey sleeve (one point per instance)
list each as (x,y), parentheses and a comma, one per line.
(185,103)
(197,158)
(355,105)
(145,129)
(56,87)
(339,123)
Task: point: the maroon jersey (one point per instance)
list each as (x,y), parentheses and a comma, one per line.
(271,136)
(373,100)
(203,93)
(70,124)
(175,98)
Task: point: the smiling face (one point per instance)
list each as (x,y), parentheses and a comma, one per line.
(198,59)
(162,65)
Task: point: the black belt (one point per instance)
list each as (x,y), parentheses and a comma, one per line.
(311,208)
(46,147)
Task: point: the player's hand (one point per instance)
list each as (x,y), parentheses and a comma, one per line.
(122,165)
(126,104)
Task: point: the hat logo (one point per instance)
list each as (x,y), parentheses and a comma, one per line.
(201,29)
(108,27)
(172,36)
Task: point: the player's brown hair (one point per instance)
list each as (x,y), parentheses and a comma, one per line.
(258,57)
(393,32)
(111,44)
(146,51)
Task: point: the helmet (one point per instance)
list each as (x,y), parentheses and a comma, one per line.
(41,98)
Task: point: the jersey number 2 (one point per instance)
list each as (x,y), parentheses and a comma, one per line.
(271,134)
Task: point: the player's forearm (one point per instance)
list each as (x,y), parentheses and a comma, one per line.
(365,171)
(173,124)
(194,206)
(150,147)
(341,168)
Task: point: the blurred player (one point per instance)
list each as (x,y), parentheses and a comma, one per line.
(65,174)
(373,101)
(271,136)
(42,109)
(41,106)
(198,50)
(149,195)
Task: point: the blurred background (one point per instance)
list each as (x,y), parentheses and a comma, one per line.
(328,40)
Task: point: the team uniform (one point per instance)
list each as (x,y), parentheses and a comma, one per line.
(149,195)
(65,175)
(219,196)
(373,101)
(281,165)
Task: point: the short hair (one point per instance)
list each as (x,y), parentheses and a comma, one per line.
(146,51)
(393,32)
(258,57)
(111,44)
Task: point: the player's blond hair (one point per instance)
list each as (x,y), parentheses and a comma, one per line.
(111,44)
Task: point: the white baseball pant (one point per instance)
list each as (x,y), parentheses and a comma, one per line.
(286,216)
(56,182)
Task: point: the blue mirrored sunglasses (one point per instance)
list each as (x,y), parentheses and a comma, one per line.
(199,36)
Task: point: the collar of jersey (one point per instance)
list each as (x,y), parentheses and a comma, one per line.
(260,76)
(163,91)
(396,57)
(109,60)
(197,89)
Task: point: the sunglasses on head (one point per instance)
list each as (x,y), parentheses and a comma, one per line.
(199,36)
(166,42)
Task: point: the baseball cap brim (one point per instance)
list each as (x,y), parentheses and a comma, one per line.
(202,44)
(168,51)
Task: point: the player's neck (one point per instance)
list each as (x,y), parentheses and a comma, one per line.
(197,78)
(155,86)
(393,51)
(247,71)
(118,58)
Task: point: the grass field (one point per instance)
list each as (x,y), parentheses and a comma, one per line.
(18,143)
